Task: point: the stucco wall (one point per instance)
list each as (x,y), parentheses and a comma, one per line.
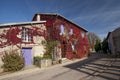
(11,39)
(39,49)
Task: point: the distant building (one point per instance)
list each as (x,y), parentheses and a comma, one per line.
(114,41)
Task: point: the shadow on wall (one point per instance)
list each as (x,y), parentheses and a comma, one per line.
(104,68)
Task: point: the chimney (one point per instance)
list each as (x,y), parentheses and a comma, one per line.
(38,17)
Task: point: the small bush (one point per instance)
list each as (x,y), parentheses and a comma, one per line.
(12,61)
(37,58)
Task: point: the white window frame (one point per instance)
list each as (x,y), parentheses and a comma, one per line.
(26,37)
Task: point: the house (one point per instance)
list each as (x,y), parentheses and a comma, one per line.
(114,41)
(72,38)
(25,37)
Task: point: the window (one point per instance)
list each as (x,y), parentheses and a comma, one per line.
(71,31)
(62,30)
(26,35)
(73,46)
(83,35)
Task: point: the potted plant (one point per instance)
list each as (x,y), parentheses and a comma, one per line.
(37,60)
(46,60)
(42,62)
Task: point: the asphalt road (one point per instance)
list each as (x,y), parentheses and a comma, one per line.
(96,67)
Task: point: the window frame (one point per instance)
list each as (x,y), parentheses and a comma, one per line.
(27,36)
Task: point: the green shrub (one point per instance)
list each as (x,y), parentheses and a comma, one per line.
(12,61)
(98,46)
(50,45)
(37,58)
(105,47)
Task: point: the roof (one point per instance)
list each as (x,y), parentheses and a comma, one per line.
(108,35)
(58,15)
(21,23)
(117,29)
(113,33)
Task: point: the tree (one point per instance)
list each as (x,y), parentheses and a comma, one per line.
(92,37)
(105,47)
(98,46)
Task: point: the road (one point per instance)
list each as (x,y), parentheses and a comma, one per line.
(96,67)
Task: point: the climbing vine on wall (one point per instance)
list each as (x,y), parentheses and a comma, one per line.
(73,43)
(13,35)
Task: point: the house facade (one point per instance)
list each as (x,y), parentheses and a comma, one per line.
(72,38)
(24,37)
(28,37)
(114,41)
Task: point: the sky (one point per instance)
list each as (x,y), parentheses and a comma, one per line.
(98,16)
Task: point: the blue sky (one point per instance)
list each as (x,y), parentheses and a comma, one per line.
(98,16)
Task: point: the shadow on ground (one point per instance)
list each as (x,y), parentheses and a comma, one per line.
(98,66)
